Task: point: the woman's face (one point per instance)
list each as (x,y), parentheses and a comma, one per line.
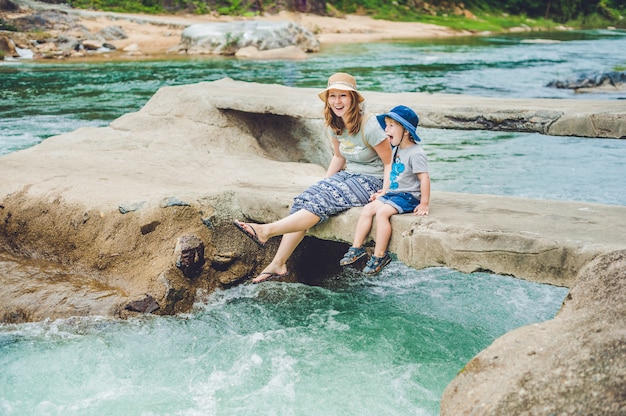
(339,101)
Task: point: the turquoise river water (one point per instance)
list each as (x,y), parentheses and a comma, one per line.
(356,345)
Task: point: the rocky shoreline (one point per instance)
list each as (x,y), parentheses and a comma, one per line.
(117,204)
(55,31)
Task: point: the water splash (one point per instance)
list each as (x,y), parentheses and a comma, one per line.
(387,344)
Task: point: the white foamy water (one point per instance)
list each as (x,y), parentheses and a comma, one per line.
(357,346)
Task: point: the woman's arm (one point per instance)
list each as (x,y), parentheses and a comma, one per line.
(337,162)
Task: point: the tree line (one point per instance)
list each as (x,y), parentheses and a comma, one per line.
(556,10)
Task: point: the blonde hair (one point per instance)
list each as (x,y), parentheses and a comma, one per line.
(350,121)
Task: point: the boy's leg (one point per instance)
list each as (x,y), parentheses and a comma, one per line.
(383,228)
(364,224)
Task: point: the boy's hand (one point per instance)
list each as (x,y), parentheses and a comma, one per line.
(421,209)
(375,195)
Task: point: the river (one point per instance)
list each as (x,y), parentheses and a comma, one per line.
(356,345)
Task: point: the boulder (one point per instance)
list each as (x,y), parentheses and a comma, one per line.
(7,46)
(92,45)
(67,43)
(573,364)
(9,6)
(112,33)
(45,20)
(228,38)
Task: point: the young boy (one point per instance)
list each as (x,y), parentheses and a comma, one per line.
(409,189)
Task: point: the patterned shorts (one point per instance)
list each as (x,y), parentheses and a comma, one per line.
(338,193)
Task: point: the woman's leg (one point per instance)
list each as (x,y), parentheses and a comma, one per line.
(293,228)
(383,228)
(300,220)
(278,266)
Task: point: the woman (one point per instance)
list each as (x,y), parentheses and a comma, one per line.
(361,160)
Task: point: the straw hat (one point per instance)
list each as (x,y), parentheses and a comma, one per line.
(340,81)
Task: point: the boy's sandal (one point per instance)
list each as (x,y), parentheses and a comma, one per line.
(352,255)
(375,264)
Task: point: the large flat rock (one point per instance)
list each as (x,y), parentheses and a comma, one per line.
(230,149)
(100,211)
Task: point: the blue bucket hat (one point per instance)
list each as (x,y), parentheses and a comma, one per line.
(403,115)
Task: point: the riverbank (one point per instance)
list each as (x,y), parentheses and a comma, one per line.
(158,35)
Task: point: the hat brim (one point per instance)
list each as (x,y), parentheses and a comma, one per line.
(324,93)
(405,124)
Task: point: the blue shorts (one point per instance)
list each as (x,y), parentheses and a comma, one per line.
(401,201)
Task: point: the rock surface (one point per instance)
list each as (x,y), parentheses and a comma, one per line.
(608,81)
(289,52)
(228,38)
(114,201)
(198,156)
(574,364)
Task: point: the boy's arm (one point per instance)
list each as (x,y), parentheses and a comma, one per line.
(422,208)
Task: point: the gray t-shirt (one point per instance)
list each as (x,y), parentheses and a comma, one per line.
(414,160)
(361,158)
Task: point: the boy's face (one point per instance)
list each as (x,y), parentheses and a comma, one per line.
(394,131)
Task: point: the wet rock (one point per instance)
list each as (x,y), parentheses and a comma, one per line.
(614,79)
(189,253)
(145,305)
(573,364)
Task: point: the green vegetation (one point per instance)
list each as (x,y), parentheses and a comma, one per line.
(5,26)
(472,15)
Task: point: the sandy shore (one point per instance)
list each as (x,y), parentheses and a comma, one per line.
(159,34)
